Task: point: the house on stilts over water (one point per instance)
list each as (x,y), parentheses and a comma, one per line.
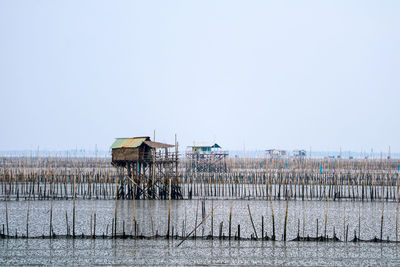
(203,157)
(146,169)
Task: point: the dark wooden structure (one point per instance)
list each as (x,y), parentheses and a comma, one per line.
(146,168)
(206,158)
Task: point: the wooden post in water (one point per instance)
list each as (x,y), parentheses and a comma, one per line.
(91,218)
(195,221)
(27,219)
(116,207)
(262,228)
(51,218)
(169,208)
(73,210)
(344,224)
(304,218)
(397,207)
(220,229)
(230,221)
(326,216)
(66,222)
(8,234)
(359,221)
(298,229)
(212,218)
(94,226)
(252,223)
(273,221)
(286,216)
(383,208)
(112,227)
(397,219)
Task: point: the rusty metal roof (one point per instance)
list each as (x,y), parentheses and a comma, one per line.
(129,142)
(157,144)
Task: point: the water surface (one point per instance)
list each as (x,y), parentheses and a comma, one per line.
(199,252)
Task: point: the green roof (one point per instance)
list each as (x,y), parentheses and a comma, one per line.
(211,145)
(128,142)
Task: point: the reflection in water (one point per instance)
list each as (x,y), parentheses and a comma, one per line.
(164,252)
(151,216)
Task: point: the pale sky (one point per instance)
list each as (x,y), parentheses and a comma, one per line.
(253,74)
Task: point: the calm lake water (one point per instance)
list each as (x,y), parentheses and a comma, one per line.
(204,252)
(152,216)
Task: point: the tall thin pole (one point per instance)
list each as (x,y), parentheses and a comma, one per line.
(176,159)
(73,210)
(116,207)
(134,204)
(153,173)
(169,208)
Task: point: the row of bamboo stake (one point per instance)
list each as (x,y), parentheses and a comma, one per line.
(173,233)
(322,180)
(256,184)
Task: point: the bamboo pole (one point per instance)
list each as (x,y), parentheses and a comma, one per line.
(212,218)
(230,221)
(273,221)
(344,225)
(252,223)
(27,219)
(359,221)
(73,210)
(169,208)
(8,234)
(195,221)
(51,218)
(116,208)
(326,216)
(286,217)
(383,208)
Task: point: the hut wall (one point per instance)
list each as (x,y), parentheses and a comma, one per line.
(125,154)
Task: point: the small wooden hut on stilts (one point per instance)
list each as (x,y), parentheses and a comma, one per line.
(146,168)
(206,158)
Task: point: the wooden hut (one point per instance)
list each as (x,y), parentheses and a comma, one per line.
(203,157)
(136,149)
(149,167)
